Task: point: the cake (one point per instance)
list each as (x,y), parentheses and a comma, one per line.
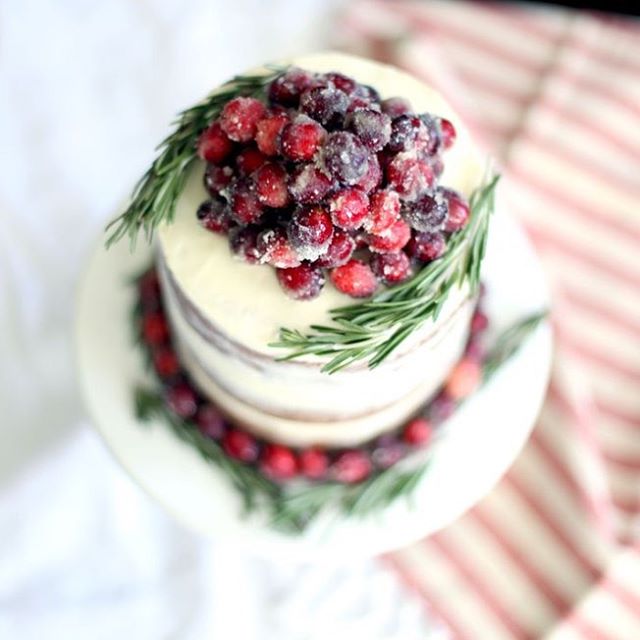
(328,182)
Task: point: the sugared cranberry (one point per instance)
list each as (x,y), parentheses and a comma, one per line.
(278,462)
(464,379)
(427,213)
(441,408)
(310,231)
(372,176)
(391,239)
(384,209)
(182,400)
(245,206)
(409,175)
(165,362)
(301,283)
(244,243)
(268,132)
(405,130)
(309,185)
(275,249)
(358,102)
(372,127)
(428,141)
(396,106)
(249,160)
(367,91)
(425,246)
(287,88)
(448,133)
(214,216)
(154,328)
(417,432)
(348,208)
(339,252)
(391,268)
(271,185)
(342,82)
(458,210)
(355,278)
(214,145)
(301,139)
(217,179)
(327,105)
(351,467)
(240,445)
(240,117)
(210,422)
(313,463)
(387,452)
(345,157)
(479,322)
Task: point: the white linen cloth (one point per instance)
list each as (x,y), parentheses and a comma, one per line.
(87,90)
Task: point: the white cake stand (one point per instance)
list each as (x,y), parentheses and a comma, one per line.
(472,452)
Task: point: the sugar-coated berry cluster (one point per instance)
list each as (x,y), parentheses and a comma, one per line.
(326,178)
(282,462)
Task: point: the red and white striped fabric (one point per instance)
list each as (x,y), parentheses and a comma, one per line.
(554,551)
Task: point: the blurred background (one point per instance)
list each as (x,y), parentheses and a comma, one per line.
(86,92)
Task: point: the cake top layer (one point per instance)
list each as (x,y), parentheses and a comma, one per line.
(245,301)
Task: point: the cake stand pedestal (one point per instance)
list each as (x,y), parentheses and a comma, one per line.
(472,451)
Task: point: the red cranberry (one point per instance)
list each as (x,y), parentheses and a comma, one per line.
(310,231)
(268,132)
(345,157)
(214,216)
(417,432)
(372,127)
(309,185)
(427,213)
(217,179)
(313,463)
(339,252)
(165,362)
(214,145)
(154,328)
(210,422)
(458,210)
(448,133)
(351,467)
(354,278)
(240,446)
(426,246)
(391,268)
(249,160)
(384,211)
(342,82)
(278,462)
(392,239)
(301,283)
(409,175)
(245,206)
(240,117)
(181,399)
(275,248)
(301,139)
(464,379)
(244,244)
(271,185)
(405,130)
(327,105)
(395,107)
(286,88)
(479,322)
(372,176)
(348,208)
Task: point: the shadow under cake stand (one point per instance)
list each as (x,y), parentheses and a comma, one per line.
(471,452)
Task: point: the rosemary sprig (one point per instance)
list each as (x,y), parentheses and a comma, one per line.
(374,329)
(154,197)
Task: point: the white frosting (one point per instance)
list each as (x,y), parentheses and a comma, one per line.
(245,303)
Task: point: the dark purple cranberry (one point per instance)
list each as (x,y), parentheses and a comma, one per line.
(372,127)
(391,268)
(287,88)
(429,140)
(345,157)
(210,422)
(182,400)
(217,179)
(214,215)
(340,250)
(426,246)
(310,232)
(309,185)
(303,282)
(405,130)
(396,106)
(367,91)
(427,213)
(244,243)
(342,82)
(327,105)
(441,408)
(387,452)
(373,175)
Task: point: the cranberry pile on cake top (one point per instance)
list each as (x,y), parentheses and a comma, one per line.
(326,179)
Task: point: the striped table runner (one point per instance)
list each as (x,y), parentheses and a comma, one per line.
(554,551)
